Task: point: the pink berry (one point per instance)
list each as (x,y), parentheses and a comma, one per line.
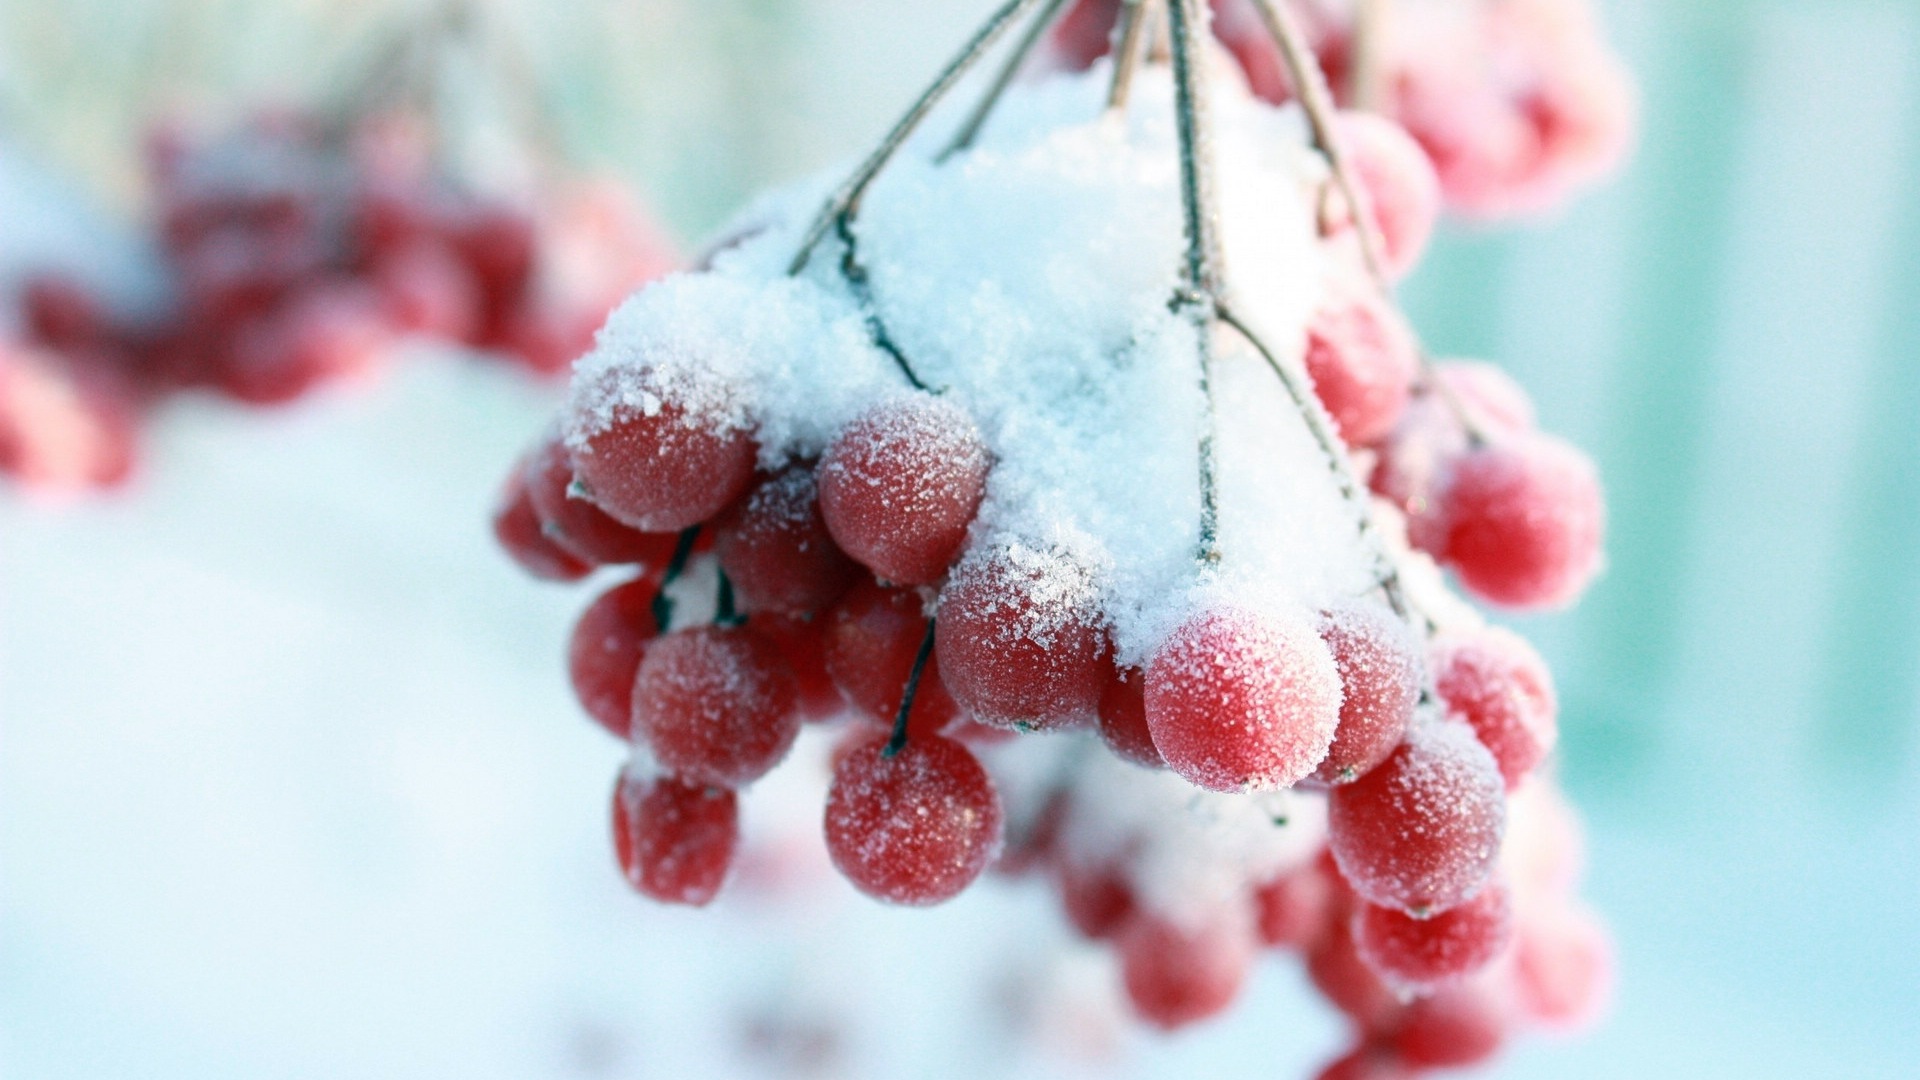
(1380,676)
(603,656)
(1123,717)
(1019,639)
(1348,982)
(776,549)
(915,828)
(1367,1062)
(1398,183)
(1425,953)
(1421,832)
(900,484)
(1493,681)
(1294,909)
(1563,966)
(663,453)
(715,705)
(1362,358)
(1176,974)
(1458,1025)
(1522,520)
(675,840)
(1240,702)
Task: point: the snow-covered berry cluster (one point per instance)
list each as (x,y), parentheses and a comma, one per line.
(1039,462)
(1519,103)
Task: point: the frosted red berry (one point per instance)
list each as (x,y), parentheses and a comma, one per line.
(1421,832)
(1362,357)
(1398,183)
(577,525)
(1123,717)
(1237,701)
(1380,674)
(660,453)
(915,828)
(675,840)
(1293,909)
(715,705)
(1455,1026)
(1563,965)
(900,484)
(1521,521)
(1020,639)
(1425,953)
(608,643)
(516,527)
(775,547)
(1495,682)
(1097,900)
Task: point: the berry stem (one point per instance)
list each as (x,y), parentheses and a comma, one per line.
(846,200)
(677,565)
(1364,81)
(862,288)
(725,612)
(977,119)
(1198,297)
(1317,101)
(1134,19)
(898,740)
(1320,425)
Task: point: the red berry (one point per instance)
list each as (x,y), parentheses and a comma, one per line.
(1458,1025)
(1348,982)
(1019,639)
(1421,832)
(1563,966)
(900,484)
(1379,666)
(660,453)
(1239,702)
(1123,717)
(604,654)
(1367,1062)
(1397,182)
(1098,901)
(872,638)
(516,526)
(914,828)
(1494,681)
(776,549)
(1363,359)
(426,290)
(715,705)
(1176,974)
(578,526)
(1522,520)
(675,840)
(1424,953)
(1294,909)
(802,642)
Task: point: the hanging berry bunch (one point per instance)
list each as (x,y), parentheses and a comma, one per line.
(301,247)
(1519,103)
(1042,453)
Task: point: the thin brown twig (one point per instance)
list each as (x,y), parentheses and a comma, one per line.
(1134,19)
(1016,59)
(1199,295)
(846,200)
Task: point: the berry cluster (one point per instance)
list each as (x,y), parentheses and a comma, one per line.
(63,427)
(1519,104)
(1093,576)
(300,247)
